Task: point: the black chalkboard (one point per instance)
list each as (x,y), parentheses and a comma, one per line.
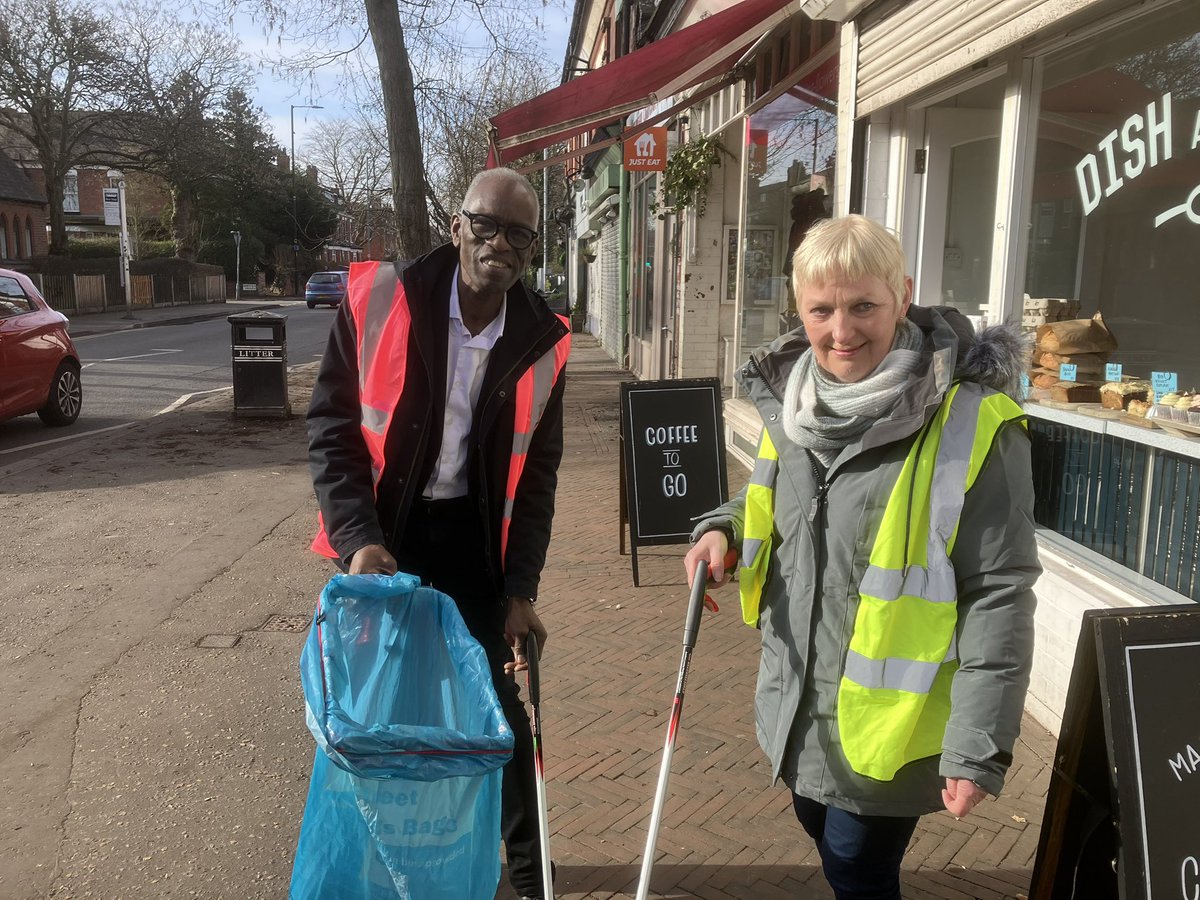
(1123,809)
(673,459)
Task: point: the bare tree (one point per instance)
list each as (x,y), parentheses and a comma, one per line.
(433,32)
(179,77)
(57,88)
(455,106)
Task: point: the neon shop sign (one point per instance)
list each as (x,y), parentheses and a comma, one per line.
(1142,142)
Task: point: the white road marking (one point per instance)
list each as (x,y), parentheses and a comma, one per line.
(186,397)
(69,437)
(123,358)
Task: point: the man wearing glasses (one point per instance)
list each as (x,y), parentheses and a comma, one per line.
(435,434)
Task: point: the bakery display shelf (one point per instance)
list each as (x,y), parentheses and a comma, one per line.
(1179,429)
(1077,406)
(1140,421)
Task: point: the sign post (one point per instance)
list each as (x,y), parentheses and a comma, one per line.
(124,249)
(1123,808)
(672,459)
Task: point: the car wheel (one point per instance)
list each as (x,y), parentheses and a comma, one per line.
(312,305)
(66,397)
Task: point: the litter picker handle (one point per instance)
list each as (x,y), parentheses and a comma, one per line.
(695,605)
(531,659)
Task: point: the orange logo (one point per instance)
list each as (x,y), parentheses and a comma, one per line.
(647,151)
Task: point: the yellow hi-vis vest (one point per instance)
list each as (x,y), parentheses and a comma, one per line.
(894,696)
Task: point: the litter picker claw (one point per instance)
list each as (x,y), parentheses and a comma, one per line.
(535,703)
(690,631)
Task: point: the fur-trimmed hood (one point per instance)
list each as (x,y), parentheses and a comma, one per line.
(995,357)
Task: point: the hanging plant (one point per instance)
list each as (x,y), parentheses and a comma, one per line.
(689,171)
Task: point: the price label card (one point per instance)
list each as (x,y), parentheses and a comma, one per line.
(1067,371)
(1112,372)
(1164,382)
(1024,386)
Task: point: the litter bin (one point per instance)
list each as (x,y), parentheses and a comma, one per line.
(259,345)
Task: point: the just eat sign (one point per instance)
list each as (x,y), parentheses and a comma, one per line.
(647,151)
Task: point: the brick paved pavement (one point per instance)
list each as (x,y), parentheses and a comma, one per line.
(609,676)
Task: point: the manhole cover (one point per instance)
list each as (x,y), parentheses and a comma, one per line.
(296,624)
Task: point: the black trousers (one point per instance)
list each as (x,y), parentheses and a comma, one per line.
(443,545)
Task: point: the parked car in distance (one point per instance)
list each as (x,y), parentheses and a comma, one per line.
(326,287)
(39,365)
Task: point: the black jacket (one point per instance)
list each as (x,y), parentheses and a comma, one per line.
(341,467)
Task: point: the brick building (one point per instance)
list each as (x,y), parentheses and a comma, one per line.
(22,214)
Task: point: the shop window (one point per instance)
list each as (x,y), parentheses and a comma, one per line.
(1115,199)
(71,192)
(789,170)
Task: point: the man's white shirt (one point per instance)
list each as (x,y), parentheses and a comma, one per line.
(466,361)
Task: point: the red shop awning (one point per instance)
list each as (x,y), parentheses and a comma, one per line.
(675,63)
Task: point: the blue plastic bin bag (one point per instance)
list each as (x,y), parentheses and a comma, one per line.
(404,800)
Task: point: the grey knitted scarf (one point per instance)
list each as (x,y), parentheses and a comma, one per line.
(824,415)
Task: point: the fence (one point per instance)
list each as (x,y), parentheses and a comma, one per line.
(97,293)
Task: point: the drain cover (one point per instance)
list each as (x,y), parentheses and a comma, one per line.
(295,624)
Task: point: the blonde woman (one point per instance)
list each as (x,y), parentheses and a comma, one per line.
(887,555)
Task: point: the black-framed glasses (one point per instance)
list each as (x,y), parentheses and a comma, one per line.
(485,228)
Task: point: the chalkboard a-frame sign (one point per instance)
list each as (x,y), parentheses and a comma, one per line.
(672,459)
(1123,809)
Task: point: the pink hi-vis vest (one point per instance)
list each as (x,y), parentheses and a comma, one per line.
(382,322)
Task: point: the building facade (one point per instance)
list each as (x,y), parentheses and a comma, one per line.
(1032,155)
(22,214)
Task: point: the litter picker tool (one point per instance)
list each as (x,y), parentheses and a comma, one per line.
(690,629)
(535,703)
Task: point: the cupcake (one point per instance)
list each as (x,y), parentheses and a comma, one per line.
(1164,406)
(1194,411)
(1179,410)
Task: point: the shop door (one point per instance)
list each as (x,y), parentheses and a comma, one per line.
(958,208)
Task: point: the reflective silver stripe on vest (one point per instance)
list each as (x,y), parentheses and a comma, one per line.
(896,674)
(374,317)
(543,384)
(936,583)
(750,551)
(508,507)
(764,472)
(521,442)
(374,419)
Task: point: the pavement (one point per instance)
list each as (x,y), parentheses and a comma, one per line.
(155,746)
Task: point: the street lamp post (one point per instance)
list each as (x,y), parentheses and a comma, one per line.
(295,217)
(237,265)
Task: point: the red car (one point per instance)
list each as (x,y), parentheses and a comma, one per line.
(39,366)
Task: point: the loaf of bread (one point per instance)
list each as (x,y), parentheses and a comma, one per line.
(1075,392)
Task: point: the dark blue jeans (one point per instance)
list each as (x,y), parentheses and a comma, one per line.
(860,855)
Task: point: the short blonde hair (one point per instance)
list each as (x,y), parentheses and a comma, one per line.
(849,248)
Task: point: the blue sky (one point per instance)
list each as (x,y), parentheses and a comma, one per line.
(274,94)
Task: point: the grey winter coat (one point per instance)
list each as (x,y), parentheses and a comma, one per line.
(811,594)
